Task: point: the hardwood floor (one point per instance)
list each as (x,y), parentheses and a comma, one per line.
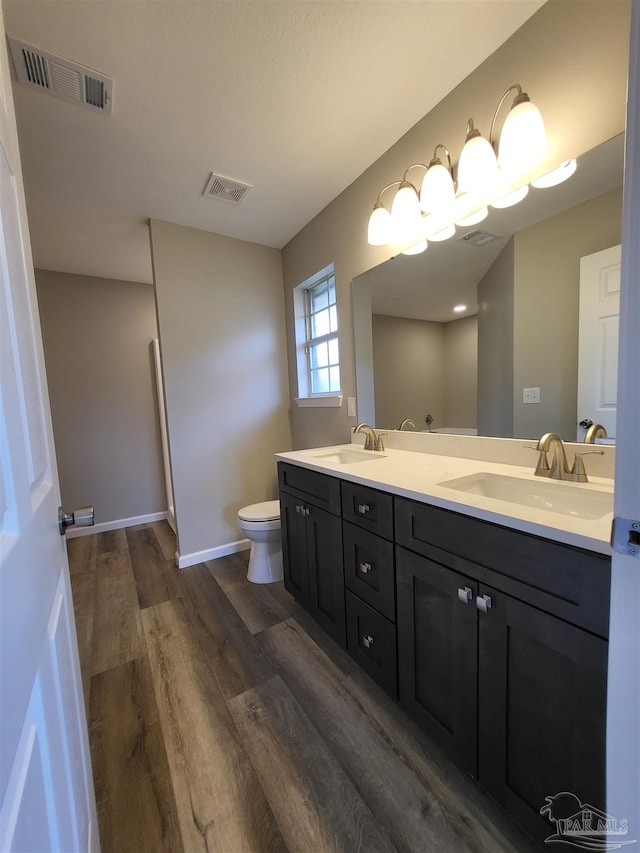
(221,718)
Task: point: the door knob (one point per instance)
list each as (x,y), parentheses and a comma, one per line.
(83,517)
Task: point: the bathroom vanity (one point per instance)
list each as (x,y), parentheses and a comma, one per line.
(486,620)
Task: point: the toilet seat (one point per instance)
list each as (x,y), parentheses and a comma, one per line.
(265,511)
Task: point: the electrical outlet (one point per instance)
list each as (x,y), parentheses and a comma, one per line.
(530,395)
(351,407)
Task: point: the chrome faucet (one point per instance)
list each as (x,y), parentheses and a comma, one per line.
(558,467)
(595,431)
(372,441)
(407,423)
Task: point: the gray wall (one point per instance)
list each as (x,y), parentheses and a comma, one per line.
(421,368)
(461,373)
(546,301)
(96,335)
(495,347)
(408,365)
(552,56)
(222,337)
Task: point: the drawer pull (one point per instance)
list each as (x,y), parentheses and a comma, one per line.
(483,603)
(367,641)
(465,594)
(365,568)
(363,509)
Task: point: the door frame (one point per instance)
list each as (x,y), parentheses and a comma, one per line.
(623,698)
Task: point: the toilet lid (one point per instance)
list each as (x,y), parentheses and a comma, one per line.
(265,511)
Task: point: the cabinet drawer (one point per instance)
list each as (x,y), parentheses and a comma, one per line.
(319,489)
(369,568)
(368,508)
(371,642)
(567,582)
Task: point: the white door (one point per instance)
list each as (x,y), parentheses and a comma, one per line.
(598,339)
(46,790)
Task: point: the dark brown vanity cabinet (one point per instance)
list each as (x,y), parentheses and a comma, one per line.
(509,678)
(312,545)
(494,641)
(369,572)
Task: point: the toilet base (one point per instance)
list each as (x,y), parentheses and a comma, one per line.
(265,562)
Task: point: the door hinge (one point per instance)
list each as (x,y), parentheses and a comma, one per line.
(625,536)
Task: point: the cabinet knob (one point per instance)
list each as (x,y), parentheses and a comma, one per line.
(483,603)
(465,594)
(367,641)
(365,568)
(363,509)
(306,510)
(298,508)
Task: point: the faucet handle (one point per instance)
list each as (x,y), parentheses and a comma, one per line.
(578,472)
(379,441)
(542,468)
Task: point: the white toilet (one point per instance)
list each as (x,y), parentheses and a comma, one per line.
(261,524)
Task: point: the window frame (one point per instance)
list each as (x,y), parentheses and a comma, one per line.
(305,341)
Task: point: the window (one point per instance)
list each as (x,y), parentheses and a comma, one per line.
(317,340)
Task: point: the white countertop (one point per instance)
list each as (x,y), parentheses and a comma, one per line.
(417,475)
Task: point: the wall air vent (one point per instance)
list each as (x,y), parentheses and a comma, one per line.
(478,238)
(61,78)
(225,189)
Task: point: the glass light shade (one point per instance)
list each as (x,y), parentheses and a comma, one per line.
(523,140)
(477,167)
(474,218)
(379,232)
(511,198)
(437,194)
(417,248)
(406,216)
(444,233)
(556,176)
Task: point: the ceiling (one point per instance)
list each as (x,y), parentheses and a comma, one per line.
(295,97)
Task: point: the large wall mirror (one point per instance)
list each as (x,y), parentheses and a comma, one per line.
(507,363)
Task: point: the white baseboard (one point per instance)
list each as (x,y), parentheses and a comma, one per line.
(74,532)
(183,561)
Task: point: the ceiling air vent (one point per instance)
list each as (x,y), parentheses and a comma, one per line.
(225,189)
(61,77)
(478,238)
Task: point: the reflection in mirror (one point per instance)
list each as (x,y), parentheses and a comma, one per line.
(507,363)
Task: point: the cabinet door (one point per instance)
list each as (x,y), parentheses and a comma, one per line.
(541,701)
(437,653)
(294,548)
(326,575)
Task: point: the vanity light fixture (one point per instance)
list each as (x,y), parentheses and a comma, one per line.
(406,216)
(380,230)
(417,248)
(523,139)
(459,308)
(556,176)
(493,171)
(438,191)
(478,166)
(473,218)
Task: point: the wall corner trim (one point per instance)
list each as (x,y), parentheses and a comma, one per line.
(183,561)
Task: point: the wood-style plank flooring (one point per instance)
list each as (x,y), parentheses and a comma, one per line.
(221,718)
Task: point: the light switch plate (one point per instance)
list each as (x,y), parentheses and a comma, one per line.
(351,407)
(530,395)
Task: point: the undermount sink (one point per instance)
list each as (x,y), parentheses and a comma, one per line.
(348,457)
(548,495)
